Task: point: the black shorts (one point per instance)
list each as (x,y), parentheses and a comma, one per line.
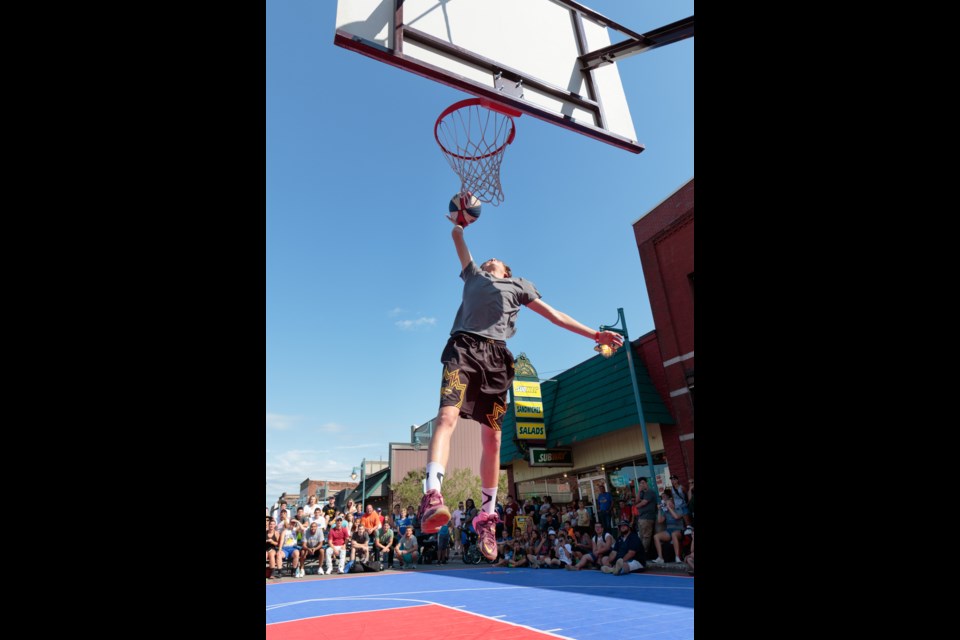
(476,375)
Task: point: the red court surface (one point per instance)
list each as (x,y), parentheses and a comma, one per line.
(426,621)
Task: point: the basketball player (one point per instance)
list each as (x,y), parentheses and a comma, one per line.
(477,371)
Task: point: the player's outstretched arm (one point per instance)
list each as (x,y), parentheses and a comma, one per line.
(561,319)
(462,251)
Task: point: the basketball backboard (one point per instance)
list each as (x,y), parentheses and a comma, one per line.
(552,59)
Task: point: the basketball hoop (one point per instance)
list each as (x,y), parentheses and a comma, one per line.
(473,135)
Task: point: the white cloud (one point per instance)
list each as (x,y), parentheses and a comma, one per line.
(286,470)
(409,325)
(360,446)
(280,421)
(393,313)
(331,427)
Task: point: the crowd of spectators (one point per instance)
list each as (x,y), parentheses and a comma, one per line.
(621,536)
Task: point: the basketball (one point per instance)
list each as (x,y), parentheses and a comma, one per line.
(466,206)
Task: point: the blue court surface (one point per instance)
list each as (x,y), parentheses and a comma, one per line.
(461,603)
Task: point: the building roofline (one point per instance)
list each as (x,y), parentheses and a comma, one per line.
(654,207)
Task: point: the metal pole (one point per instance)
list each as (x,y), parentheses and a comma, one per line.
(363,495)
(636,396)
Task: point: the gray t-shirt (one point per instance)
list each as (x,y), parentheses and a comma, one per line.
(313,540)
(649,510)
(490,304)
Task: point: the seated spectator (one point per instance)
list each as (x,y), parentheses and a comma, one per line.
(319,518)
(563,553)
(312,547)
(542,553)
(302,517)
(505,557)
(383,545)
(680,504)
(409,550)
(626,552)
(361,544)
(310,507)
(551,518)
(279,512)
(288,545)
(273,547)
(330,511)
(601,545)
(519,555)
(674,528)
(582,546)
(397,516)
(337,541)
(370,521)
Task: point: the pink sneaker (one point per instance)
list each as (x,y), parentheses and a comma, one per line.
(485,524)
(433,514)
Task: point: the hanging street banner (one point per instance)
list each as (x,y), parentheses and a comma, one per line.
(528,402)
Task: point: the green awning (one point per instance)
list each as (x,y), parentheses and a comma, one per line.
(590,399)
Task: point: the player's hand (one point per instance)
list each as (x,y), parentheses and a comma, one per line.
(452,217)
(611,338)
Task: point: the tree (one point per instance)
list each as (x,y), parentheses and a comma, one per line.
(409,490)
(457,487)
(460,485)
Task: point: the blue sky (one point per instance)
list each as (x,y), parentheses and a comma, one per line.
(362,276)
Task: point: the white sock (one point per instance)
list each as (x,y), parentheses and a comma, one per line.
(489,502)
(434,475)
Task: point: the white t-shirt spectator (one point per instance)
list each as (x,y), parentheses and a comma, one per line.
(320,520)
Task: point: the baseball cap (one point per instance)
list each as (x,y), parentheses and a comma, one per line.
(551,532)
(624,523)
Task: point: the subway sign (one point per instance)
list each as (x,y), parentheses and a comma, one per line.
(541,457)
(525,389)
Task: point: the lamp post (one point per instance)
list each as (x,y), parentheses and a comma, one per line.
(363,491)
(636,392)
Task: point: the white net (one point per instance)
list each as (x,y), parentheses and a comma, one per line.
(473,139)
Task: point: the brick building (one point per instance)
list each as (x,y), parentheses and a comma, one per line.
(664,238)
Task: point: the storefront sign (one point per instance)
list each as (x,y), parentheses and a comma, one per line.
(528,403)
(526,389)
(541,457)
(531,431)
(529,409)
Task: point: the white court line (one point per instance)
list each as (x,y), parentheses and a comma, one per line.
(395,593)
(619,586)
(459,608)
(557,629)
(502,615)
(343,613)
(423,603)
(513,624)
